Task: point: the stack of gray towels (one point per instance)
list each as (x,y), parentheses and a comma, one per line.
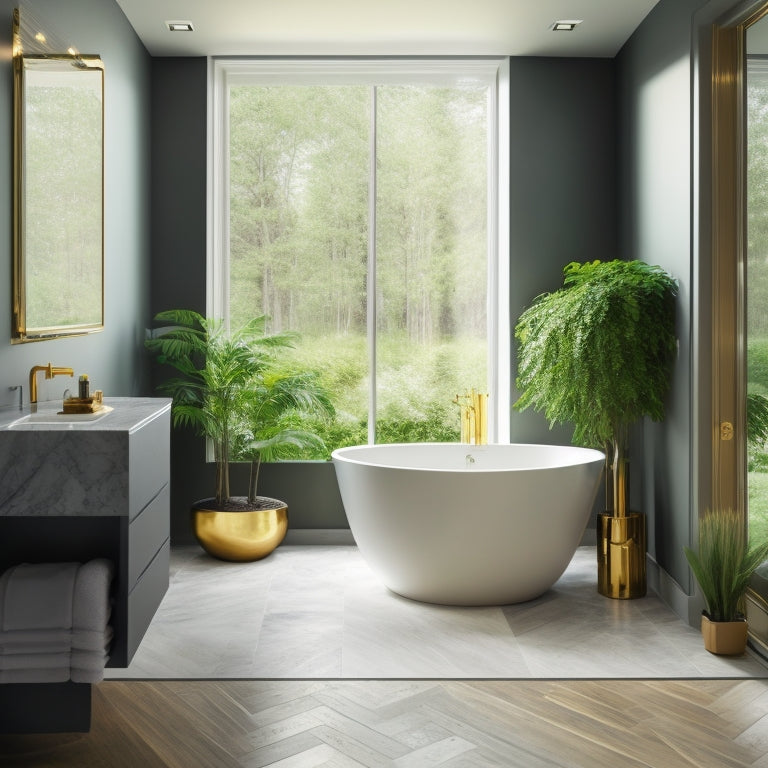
(54,622)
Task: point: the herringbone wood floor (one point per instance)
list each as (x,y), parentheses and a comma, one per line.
(509,723)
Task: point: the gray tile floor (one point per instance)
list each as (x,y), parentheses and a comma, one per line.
(317,611)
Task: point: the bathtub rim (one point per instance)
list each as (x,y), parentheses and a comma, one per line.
(589,455)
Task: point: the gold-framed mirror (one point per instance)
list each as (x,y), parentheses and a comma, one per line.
(58,221)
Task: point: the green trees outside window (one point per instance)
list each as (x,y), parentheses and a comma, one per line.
(328,249)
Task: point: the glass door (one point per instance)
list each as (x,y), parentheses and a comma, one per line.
(756,309)
(733,388)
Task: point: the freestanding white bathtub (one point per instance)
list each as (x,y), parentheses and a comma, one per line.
(465,524)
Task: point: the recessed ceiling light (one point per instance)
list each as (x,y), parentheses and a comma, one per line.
(566,25)
(180,26)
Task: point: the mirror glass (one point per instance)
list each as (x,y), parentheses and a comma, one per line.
(58,212)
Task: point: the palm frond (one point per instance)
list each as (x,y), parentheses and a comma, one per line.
(228,389)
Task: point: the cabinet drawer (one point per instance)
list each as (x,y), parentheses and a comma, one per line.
(149,457)
(145,598)
(147,533)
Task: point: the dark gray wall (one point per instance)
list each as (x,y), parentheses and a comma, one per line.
(656,175)
(562,186)
(114,358)
(563,208)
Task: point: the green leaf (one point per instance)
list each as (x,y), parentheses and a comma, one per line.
(598,352)
(230,388)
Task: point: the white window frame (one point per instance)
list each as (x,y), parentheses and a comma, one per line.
(224,72)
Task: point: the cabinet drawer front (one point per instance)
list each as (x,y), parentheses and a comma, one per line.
(146,597)
(150,462)
(147,533)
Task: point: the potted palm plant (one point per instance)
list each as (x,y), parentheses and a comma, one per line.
(231,391)
(723,566)
(598,354)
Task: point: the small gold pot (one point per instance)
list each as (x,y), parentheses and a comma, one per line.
(725,638)
(240,535)
(621,548)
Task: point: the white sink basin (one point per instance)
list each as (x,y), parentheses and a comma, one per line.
(47,419)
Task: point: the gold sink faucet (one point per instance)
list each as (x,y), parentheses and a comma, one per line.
(50,372)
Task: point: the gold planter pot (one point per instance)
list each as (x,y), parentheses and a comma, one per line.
(725,638)
(240,535)
(621,548)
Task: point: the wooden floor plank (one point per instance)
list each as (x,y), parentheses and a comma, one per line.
(346,724)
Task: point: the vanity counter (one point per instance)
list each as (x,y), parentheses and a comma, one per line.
(111,466)
(127,415)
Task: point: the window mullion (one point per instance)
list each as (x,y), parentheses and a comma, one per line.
(371,274)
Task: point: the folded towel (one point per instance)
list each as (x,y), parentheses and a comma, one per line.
(90,640)
(91,606)
(53,622)
(34,661)
(35,636)
(12,649)
(91,660)
(77,675)
(59,675)
(39,596)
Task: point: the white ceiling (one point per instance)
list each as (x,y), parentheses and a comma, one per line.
(385,27)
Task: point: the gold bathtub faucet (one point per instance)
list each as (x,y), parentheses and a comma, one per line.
(474,417)
(50,372)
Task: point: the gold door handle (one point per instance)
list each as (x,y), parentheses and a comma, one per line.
(726,430)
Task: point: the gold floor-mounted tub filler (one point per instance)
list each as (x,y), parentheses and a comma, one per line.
(473,407)
(240,536)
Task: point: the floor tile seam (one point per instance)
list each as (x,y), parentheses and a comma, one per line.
(290,747)
(425,752)
(334,718)
(499,739)
(267,735)
(321,731)
(278,712)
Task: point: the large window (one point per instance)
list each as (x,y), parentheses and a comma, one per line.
(357,203)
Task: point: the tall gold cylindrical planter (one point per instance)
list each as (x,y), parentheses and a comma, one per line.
(621,548)
(240,535)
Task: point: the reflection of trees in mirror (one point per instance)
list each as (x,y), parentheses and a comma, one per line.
(300,167)
(63,198)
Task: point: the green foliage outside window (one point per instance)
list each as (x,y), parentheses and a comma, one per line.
(299,229)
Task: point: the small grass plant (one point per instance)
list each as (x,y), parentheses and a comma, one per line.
(724,563)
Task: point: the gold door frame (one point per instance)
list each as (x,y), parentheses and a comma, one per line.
(724,410)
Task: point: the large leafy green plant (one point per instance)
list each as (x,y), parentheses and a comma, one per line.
(724,563)
(231,391)
(598,354)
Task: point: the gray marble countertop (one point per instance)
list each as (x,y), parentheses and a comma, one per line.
(127,415)
(111,466)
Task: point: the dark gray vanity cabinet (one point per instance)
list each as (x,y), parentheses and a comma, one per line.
(98,490)
(144,536)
